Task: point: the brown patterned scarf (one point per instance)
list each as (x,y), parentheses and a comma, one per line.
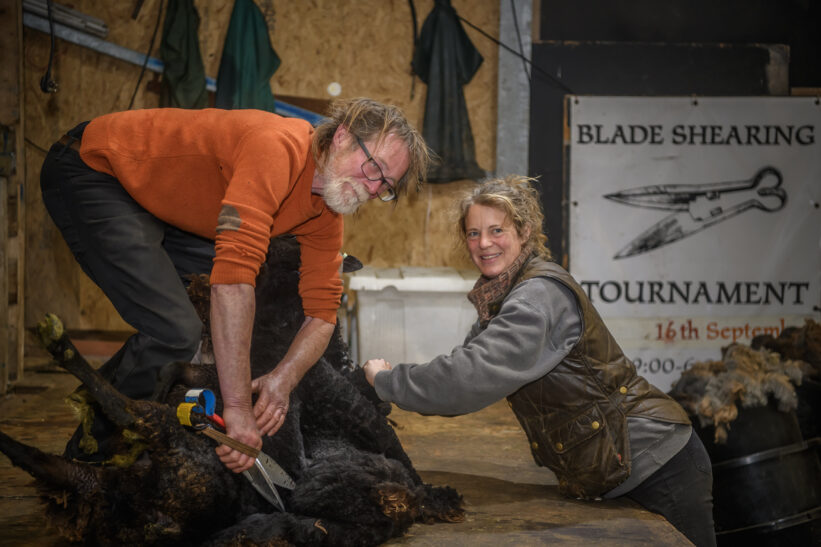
(488,293)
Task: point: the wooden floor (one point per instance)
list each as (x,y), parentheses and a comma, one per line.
(509,500)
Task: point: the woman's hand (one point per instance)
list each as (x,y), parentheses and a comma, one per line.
(372,366)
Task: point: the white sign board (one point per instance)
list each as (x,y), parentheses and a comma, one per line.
(695,222)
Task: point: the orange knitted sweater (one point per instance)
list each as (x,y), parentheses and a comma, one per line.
(239,177)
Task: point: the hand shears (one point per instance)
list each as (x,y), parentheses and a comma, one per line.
(264,474)
(699,206)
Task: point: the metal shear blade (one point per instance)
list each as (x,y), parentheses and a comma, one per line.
(274,472)
(265,472)
(260,480)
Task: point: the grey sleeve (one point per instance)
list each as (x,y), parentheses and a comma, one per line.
(537,326)
(475,329)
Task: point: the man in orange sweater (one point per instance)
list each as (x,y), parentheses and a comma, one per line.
(145,197)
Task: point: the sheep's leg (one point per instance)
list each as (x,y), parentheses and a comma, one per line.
(115,405)
(176,374)
(52,470)
(167,377)
(441,504)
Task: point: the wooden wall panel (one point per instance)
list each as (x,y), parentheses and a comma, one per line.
(90,84)
(12,213)
(365,46)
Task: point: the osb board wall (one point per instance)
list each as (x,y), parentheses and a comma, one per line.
(365,46)
(90,84)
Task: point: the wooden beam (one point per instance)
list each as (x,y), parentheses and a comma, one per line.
(12,205)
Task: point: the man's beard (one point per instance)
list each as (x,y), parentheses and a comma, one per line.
(343,195)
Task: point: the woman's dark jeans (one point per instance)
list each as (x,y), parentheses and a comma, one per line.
(682,491)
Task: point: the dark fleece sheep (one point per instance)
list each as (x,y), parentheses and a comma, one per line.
(163,483)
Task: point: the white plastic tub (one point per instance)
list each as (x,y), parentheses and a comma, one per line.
(410,315)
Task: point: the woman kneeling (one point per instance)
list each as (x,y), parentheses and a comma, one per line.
(602,429)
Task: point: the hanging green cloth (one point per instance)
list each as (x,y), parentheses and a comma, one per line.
(248,61)
(445,59)
(183,70)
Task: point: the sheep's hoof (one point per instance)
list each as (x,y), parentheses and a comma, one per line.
(50,329)
(453,515)
(396,501)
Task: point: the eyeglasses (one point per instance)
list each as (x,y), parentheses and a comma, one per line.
(372,171)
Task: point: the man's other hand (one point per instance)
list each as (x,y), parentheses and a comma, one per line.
(272,402)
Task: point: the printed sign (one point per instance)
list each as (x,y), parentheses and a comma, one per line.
(695,222)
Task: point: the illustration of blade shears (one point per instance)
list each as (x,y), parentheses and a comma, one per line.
(699,206)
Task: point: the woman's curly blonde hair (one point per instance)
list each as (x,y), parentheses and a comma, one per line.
(369,119)
(516,197)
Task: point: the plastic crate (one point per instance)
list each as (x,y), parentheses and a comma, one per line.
(409,315)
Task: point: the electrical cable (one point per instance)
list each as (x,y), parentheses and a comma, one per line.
(147,56)
(415,43)
(558,83)
(35,145)
(47,85)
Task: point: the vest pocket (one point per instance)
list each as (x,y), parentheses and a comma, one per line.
(576,430)
(579,451)
(587,463)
